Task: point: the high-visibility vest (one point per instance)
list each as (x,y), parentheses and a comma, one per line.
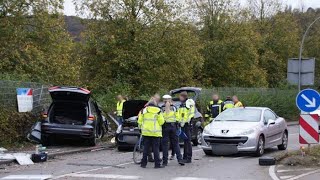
(184,114)
(214,109)
(170,117)
(228,104)
(150,121)
(238,104)
(120,107)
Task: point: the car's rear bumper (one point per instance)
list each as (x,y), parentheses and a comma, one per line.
(67,131)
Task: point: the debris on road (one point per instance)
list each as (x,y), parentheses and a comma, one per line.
(23,158)
(267,161)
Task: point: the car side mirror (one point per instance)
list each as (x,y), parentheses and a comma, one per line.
(271,122)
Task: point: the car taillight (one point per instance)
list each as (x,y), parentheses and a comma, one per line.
(91,117)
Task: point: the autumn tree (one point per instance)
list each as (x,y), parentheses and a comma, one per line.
(35,45)
(139,43)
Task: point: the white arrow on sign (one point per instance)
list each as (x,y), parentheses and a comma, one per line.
(311,103)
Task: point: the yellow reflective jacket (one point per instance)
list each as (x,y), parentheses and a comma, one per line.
(238,104)
(170,117)
(214,109)
(120,107)
(150,121)
(184,114)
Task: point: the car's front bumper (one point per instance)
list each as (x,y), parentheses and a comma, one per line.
(239,143)
(67,131)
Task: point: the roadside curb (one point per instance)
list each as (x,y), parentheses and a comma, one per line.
(53,155)
(293,123)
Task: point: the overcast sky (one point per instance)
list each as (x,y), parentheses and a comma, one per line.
(70,10)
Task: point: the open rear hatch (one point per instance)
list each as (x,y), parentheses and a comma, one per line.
(70,105)
(131,111)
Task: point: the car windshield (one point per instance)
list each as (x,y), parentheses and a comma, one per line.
(240,114)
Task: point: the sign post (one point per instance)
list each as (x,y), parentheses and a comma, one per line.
(307,101)
(25,99)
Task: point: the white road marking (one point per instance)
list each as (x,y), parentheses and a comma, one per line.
(30,177)
(290,170)
(90,170)
(105,176)
(272,173)
(241,157)
(305,174)
(286,177)
(190,178)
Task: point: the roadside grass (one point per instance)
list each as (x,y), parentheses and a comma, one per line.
(295,158)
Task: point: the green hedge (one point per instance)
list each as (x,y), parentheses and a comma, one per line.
(282,101)
(14,126)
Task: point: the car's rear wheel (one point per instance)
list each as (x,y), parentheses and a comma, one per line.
(99,131)
(284,144)
(208,152)
(260,146)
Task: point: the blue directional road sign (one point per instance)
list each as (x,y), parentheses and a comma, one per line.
(308,100)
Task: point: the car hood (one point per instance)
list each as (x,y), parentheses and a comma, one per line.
(132,108)
(233,128)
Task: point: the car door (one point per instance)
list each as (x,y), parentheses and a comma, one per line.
(280,123)
(272,129)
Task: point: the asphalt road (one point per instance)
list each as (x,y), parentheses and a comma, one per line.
(111,164)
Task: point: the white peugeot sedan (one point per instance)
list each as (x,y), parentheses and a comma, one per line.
(249,129)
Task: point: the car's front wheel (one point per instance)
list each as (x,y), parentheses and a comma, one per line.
(260,146)
(284,144)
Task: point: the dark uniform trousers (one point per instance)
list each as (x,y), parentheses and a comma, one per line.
(187,149)
(148,142)
(169,132)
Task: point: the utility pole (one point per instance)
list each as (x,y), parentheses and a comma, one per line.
(301,49)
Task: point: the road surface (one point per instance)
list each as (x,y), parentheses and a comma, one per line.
(111,164)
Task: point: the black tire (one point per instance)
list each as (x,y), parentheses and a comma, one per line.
(137,153)
(208,152)
(92,141)
(120,148)
(284,144)
(197,141)
(99,131)
(260,146)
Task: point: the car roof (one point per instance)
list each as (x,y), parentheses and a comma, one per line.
(69,89)
(196,89)
(258,108)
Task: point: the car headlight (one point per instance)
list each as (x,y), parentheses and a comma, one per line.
(247,132)
(207,130)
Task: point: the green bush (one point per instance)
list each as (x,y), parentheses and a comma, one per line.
(282,101)
(14,126)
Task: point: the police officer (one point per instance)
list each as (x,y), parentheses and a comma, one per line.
(236,102)
(185,113)
(214,107)
(150,121)
(169,130)
(228,103)
(118,113)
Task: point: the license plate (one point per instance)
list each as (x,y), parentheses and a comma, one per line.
(131,130)
(221,149)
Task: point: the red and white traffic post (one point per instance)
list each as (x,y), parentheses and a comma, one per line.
(309,126)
